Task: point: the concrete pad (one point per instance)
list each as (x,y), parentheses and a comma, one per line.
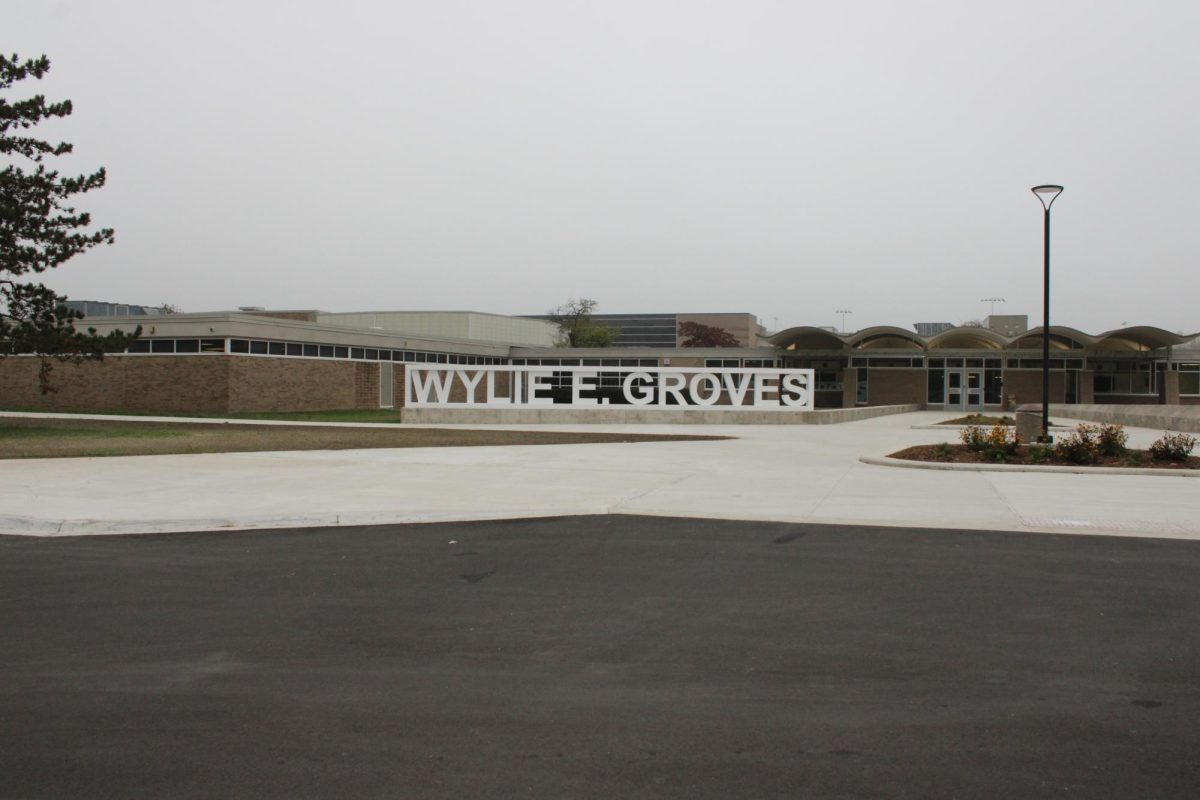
(785,473)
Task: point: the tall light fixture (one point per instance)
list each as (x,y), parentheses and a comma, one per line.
(1047,195)
(844,313)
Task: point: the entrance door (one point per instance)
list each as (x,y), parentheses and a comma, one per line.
(955,396)
(974,390)
(964,389)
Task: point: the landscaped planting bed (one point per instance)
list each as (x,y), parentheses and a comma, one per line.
(1087,445)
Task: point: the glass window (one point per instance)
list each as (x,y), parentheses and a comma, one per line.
(295,349)
(310,350)
(258,347)
(162,345)
(341,352)
(1189,382)
(936,363)
(187,345)
(937,386)
(239,346)
(356,352)
(325,351)
(647,362)
(277,348)
(371,354)
(139,346)
(212,345)
(993,387)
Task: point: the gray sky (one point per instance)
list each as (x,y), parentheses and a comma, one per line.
(783,158)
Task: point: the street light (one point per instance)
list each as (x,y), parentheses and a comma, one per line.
(1047,195)
(993,301)
(843,312)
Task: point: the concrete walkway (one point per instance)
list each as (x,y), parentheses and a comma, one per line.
(782,473)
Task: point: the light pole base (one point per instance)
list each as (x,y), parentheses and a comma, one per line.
(1047,439)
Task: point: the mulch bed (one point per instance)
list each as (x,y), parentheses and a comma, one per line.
(959,454)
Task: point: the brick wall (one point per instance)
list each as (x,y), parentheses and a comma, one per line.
(120,383)
(889,387)
(1026,384)
(262,383)
(208,383)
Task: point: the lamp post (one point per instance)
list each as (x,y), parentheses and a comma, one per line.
(1047,195)
(844,313)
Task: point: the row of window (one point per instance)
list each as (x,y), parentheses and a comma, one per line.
(265,347)
(753,363)
(588,362)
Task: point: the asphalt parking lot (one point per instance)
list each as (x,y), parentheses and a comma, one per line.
(599,656)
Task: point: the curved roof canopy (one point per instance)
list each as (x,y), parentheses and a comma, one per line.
(807,337)
(1139,337)
(967,339)
(885,337)
(1061,338)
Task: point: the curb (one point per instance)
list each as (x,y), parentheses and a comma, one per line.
(50,528)
(886,461)
(964,427)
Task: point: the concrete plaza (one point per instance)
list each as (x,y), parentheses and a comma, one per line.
(780,473)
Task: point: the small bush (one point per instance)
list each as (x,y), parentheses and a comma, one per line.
(1081,446)
(1173,447)
(1134,459)
(1001,443)
(1038,454)
(974,437)
(942,452)
(1112,440)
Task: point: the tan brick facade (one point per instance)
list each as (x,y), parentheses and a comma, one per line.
(889,387)
(1026,384)
(204,383)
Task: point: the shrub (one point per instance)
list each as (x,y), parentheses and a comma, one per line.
(974,437)
(1081,446)
(1112,440)
(942,452)
(1134,459)
(1038,454)
(1173,447)
(1001,443)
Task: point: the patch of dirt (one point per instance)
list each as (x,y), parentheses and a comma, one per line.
(959,454)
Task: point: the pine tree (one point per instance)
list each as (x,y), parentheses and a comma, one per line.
(39,231)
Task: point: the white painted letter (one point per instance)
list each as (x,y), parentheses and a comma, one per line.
(645,395)
(736,393)
(714,389)
(795,393)
(761,389)
(470,383)
(577,386)
(436,378)
(671,383)
(535,384)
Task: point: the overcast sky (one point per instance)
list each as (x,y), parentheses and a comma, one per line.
(789,159)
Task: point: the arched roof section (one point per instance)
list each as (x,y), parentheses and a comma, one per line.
(1061,338)
(1139,337)
(807,337)
(885,337)
(963,338)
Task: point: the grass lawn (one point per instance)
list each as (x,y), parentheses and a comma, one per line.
(64,438)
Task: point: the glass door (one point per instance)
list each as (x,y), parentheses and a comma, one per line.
(954,389)
(974,389)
